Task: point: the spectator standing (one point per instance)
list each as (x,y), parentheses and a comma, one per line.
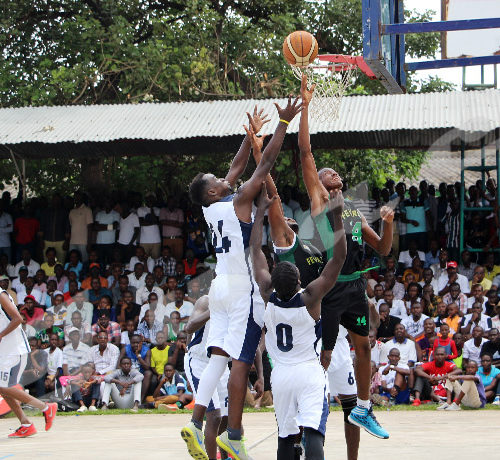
(129,232)
(124,386)
(106,225)
(85,309)
(452,229)
(172,221)
(54,228)
(6,228)
(415,212)
(467,267)
(472,347)
(80,221)
(150,231)
(26,229)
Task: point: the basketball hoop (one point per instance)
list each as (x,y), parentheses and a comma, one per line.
(333,75)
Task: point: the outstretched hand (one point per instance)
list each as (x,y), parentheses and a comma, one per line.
(305,93)
(291,109)
(258,119)
(264,201)
(336,201)
(256,141)
(387,214)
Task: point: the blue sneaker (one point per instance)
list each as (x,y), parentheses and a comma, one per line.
(365,418)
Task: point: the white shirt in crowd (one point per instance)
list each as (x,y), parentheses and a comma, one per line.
(76,357)
(160,312)
(461,280)
(107,361)
(150,262)
(485,322)
(376,349)
(106,218)
(472,300)
(21,294)
(79,219)
(398,308)
(472,352)
(127,228)
(434,284)
(5,229)
(137,283)
(406,259)
(142,294)
(391,375)
(32,267)
(86,311)
(184,311)
(150,234)
(414,328)
(406,349)
(55,360)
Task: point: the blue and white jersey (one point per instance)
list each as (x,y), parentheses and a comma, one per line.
(292,335)
(231,238)
(341,353)
(14,343)
(197,348)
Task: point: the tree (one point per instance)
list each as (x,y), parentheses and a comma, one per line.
(61,52)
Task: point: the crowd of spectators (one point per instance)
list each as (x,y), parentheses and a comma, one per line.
(107,284)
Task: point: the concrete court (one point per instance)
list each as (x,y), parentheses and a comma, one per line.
(414,434)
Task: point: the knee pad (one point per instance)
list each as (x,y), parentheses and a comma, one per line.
(348,404)
(314,441)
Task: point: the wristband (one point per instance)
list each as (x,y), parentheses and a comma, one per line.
(110,227)
(284,121)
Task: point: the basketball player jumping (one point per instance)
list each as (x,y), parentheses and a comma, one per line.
(236,308)
(14,351)
(346,303)
(293,336)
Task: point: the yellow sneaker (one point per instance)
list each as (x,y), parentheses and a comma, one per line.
(195,441)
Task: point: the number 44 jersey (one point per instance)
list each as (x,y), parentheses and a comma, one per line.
(292,335)
(230,238)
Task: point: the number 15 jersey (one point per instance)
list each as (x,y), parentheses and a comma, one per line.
(292,335)
(230,238)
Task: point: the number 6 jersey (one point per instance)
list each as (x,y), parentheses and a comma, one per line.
(230,238)
(292,335)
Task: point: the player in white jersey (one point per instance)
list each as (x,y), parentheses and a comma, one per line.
(293,337)
(195,361)
(236,309)
(14,351)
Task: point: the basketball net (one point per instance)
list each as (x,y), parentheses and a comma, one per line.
(332,81)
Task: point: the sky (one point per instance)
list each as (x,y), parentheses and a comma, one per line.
(453,75)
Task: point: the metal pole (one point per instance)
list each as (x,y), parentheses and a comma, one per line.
(23,164)
(462,195)
(463,78)
(483,164)
(497,142)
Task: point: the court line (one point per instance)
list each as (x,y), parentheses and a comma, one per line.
(255,444)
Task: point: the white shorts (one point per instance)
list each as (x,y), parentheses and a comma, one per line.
(341,379)
(236,316)
(300,397)
(194,367)
(11,369)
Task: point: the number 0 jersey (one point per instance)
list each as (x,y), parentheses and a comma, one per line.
(292,335)
(323,237)
(15,342)
(230,238)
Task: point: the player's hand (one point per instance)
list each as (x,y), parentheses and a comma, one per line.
(387,214)
(264,201)
(336,202)
(258,119)
(305,93)
(291,109)
(326,359)
(256,141)
(259,388)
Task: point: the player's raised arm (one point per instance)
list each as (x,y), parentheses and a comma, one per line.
(251,188)
(281,234)
(259,262)
(316,290)
(318,195)
(200,315)
(240,161)
(381,244)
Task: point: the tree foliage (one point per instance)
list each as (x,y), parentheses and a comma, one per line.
(63,52)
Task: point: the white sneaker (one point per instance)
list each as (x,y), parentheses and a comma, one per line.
(82,409)
(443,406)
(453,406)
(92,408)
(496,401)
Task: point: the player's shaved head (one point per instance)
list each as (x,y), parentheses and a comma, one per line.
(285,280)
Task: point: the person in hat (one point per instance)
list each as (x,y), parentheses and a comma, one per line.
(75,353)
(18,283)
(452,276)
(94,272)
(34,314)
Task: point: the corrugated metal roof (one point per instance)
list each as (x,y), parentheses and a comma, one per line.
(399,121)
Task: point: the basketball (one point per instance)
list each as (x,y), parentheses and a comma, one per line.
(300,48)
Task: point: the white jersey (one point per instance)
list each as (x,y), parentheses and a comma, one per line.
(198,345)
(341,353)
(230,238)
(15,343)
(292,335)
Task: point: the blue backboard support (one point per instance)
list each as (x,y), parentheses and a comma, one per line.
(384,49)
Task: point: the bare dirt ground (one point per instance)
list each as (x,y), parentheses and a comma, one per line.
(414,434)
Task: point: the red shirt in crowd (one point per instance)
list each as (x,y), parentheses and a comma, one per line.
(190,270)
(37,315)
(26,229)
(435,371)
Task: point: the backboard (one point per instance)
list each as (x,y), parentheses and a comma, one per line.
(384,33)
